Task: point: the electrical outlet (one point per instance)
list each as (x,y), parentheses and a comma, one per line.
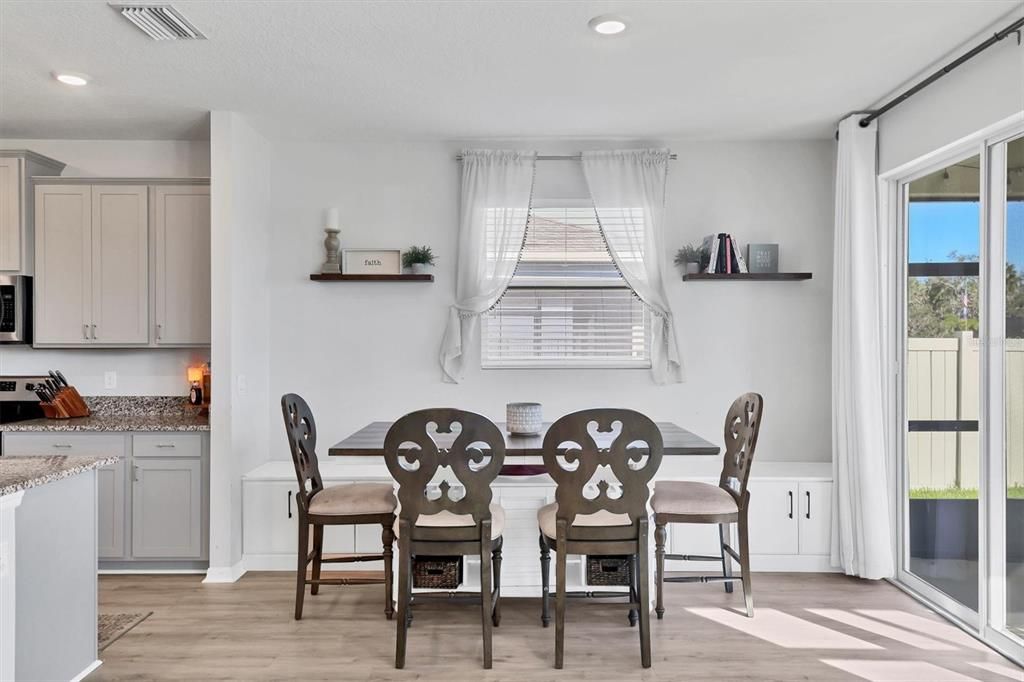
(110,379)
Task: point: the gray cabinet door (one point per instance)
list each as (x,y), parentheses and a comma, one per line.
(182,262)
(120,264)
(167,508)
(63,281)
(110,510)
(10,214)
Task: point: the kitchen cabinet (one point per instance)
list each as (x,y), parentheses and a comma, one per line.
(815,517)
(166,508)
(181,225)
(63,284)
(153,504)
(122,264)
(17,167)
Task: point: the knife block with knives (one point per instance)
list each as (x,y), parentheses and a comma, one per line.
(59,399)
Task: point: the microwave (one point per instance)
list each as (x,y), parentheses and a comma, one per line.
(15,309)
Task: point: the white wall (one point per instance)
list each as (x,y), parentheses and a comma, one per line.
(364,352)
(139,372)
(240,193)
(984,91)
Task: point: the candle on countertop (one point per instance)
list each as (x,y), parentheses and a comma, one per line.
(332,218)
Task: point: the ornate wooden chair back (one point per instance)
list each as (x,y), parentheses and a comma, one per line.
(423,443)
(301,430)
(621,442)
(742,424)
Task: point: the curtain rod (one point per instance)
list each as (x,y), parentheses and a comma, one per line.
(1015,27)
(560,157)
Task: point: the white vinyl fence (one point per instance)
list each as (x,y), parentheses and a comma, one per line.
(943,383)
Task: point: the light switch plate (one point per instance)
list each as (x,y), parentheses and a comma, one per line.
(110,380)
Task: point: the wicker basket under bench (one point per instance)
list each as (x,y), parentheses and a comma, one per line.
(437,572)
(610,571)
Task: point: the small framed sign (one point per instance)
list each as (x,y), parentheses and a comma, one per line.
(371,261)
(763,257)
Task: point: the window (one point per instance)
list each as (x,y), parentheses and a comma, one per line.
(567,305)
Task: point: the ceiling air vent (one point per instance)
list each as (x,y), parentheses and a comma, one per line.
(160,22)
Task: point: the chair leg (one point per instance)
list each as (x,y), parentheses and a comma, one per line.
(545,581)
(388,540)
(496,562)
(486,595)
(560,566)
(748,590)
(318,556)
(644,580)
(660,535)
(404,579)
(300,570)
(634,591)
(723,537)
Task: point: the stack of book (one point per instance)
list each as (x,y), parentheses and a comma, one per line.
(725,256)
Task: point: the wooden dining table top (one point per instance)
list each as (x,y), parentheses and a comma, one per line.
(369,440)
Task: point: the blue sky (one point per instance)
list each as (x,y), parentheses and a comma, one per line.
(940,227)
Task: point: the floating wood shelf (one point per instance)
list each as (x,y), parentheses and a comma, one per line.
(750,276)
(334,277)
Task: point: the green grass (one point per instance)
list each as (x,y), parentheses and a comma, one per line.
(1014,492)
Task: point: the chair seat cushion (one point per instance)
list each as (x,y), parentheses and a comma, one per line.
(447,519)
(547,519)
(354,499)
(691,498)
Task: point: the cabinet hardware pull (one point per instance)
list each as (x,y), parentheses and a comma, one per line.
(165,445)
(159,331)
(790,504)
(62,445)
(808,504)
(85,331)
(289,504)
(94,331)
(135,473)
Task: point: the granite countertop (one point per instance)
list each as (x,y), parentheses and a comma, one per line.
(22,473)
(124,413)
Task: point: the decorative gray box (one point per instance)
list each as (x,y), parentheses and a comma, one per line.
(763,257)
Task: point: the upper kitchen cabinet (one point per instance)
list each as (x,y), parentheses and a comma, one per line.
(16,242)
(181,227)
(122,264)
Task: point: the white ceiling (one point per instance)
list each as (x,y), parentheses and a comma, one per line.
(464,69)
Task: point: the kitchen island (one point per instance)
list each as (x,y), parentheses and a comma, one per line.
(48,599)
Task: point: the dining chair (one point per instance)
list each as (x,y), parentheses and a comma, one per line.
(336,505)
(724,504)
(436,520)
(594,517)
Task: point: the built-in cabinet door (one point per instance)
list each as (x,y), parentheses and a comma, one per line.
(182,263)
(10,214)
(772,517)
(63,283)
(110,510)
(815,517)
(167,508)
(120,264)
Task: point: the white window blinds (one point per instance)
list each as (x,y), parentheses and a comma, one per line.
(567,305)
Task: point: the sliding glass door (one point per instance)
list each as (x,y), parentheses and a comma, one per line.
(961,386)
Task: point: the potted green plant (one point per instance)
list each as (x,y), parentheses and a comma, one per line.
(689,259)
(418,259)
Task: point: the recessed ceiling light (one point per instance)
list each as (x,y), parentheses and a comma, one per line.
(68,78)
(608,24)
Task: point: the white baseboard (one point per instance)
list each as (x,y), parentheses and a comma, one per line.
(225,574)
(152,571)
(85,673)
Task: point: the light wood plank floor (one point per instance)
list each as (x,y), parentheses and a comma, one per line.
(245,631)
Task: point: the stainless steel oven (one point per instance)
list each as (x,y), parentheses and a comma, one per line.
(15,309)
